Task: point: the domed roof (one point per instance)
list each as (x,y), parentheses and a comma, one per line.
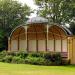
(37,20)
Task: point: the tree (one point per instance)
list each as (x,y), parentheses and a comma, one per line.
(57,11)
(12,14)
(72,27)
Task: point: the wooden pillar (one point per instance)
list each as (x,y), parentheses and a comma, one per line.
(54,44)
(9,44)
(37,45)
(18,43)
(68,47)
(72,51)
(47,38)
(61,45)
(54,41)
(26,32)
(19,40)
(36,38)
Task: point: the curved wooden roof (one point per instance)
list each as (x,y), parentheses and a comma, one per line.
(55,31)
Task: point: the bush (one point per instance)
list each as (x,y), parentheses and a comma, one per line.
(53,58)
(47,56)
(48,62)
(36,54)
(7,59)
(17,60)
(35,60)
(11,53)
(56,59)
(22,54)
(3,54)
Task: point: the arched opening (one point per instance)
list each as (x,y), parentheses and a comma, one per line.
(37,37)
(18,39)
(31,32)
(57,39)
(41,36)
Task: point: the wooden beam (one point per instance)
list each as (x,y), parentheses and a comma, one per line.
(27,42)
(54,45)
(36,38)
(19,39)
(10,43)
(61,45)
(45,34)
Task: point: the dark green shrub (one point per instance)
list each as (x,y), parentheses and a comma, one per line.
(56,58)
(7,59)
(48,56)
(48,62)
(53,58)
(17,60)
(11,53)
(36,54)
(22,54)
(3,54)
(35,60)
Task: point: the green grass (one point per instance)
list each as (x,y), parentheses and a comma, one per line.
(25,69)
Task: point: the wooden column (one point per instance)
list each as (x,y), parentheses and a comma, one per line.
(37,45)
(54,41)
(9,44)
(47,38)
(19,40)
(68,48)
(54,44)
(26,32)
(36,38)
(18,43)
(61,42)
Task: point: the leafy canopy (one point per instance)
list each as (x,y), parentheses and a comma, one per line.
(58,11)
(12,14)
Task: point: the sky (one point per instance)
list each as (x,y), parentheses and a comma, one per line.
(31,4)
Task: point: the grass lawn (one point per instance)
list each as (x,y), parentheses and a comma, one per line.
(25,69)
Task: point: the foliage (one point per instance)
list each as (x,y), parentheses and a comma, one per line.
(7,59)
(35,54)
(33,58)
(12,14)
(22,54)
(57,11)
(17,60)
(3,54)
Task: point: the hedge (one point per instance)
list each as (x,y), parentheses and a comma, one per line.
(33,58)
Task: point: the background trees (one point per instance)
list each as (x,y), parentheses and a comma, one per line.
(12,13)
(58,11)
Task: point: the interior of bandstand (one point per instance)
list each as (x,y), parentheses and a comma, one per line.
(39,38)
